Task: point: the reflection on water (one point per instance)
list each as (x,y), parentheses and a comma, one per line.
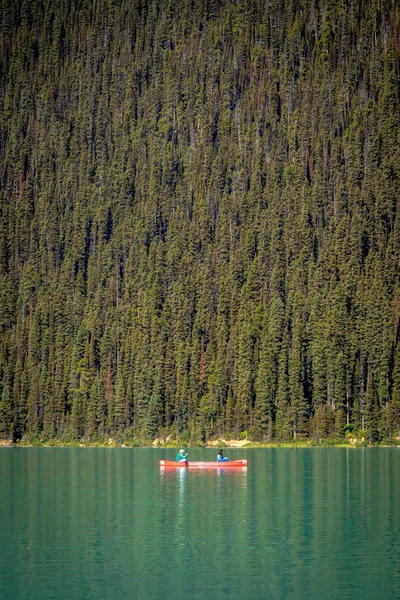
(199,479)
(182,479)
(296,524)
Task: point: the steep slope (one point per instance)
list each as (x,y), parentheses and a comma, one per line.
(199,225)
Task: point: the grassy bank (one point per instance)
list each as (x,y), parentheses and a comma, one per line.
(223,443)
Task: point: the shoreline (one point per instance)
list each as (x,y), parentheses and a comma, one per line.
(225,444)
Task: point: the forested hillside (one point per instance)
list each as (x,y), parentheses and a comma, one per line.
(199,219)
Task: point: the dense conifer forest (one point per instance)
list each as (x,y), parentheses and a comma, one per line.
(199,219)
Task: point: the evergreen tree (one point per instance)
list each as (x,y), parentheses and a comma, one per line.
(199,219)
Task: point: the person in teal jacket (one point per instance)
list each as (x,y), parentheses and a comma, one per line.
(221,457)
(181,456)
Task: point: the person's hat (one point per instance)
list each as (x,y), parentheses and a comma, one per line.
(181,451)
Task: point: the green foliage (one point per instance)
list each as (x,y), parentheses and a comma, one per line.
(199,221)
(348,430)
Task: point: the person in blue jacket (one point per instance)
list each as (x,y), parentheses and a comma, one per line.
(181,456)
(221,457)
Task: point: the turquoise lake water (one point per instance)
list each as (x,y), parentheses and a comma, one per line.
(300,524)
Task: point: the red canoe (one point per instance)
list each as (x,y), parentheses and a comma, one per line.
(229,464)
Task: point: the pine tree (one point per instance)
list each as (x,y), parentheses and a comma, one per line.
(199,224)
